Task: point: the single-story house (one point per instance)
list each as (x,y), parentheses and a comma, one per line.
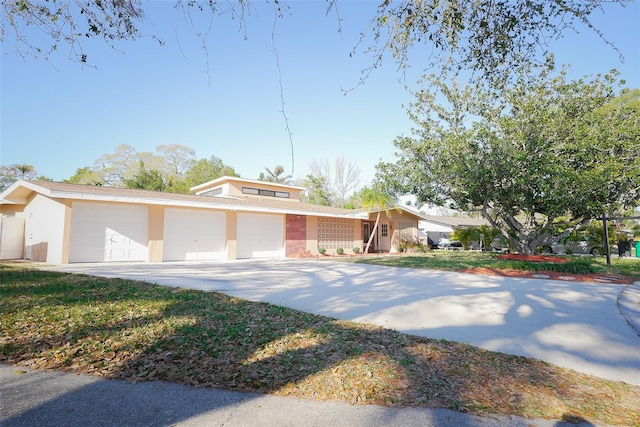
(441,227)
(228,218)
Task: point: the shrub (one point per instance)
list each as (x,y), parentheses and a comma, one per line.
(339,251)
(410,247)
(356,250)
(321,251)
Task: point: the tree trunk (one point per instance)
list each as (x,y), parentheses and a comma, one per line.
(375,226)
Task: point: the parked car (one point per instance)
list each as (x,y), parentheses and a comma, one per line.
(449,245)
(432,244)
(499,244)
(581,247)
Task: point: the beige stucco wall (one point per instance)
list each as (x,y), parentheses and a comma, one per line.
(393,219)
(66,233)
(11,209)
(155,233)
(312,237)
(45,223)
(232,235)
(235,189)
(312,234)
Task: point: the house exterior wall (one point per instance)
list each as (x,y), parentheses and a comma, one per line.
(334,233)
(228,186)
(50,217)
(232,235)
(11,209)
(402,227)
(313,242)
(295,234)
(11,237)
(156,233)
(312,234)
(44,230)
(235,189)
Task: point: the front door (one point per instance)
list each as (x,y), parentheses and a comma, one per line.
(366,234)
(384,232)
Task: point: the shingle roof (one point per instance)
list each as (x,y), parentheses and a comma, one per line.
(260,204)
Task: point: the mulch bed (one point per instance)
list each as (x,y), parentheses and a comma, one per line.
(554,275)
(532,258)
(551,275)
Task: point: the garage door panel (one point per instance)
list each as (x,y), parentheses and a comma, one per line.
(260,236)
(103,232)
(194,235)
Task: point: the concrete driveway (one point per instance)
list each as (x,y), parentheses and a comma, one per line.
(570,324)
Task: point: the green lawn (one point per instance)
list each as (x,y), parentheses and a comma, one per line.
(138,331)
(462,260)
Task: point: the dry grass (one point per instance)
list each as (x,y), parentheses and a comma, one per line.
(138,331)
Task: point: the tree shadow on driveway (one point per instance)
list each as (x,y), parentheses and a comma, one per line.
(571,324)
(198,339)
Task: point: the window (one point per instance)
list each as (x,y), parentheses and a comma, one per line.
(268,193)
(213,192)
(246,190)
(384,230)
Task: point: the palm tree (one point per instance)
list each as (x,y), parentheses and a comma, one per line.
(374,199)
(275,176)
(24,171)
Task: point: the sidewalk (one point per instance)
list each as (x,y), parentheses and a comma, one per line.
(46,398)
(629,305)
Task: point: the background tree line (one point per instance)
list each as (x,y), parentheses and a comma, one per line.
(174,168)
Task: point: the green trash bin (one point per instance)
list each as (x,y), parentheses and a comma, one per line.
(638,249)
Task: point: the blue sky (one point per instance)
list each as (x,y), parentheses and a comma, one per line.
(59,116)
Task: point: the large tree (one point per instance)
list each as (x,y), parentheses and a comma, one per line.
(205,170)
(174,165)
(146,179)
(317,190)
(177,160)
(12,173)
(86,175)
(117,167)
(490,37)
(275,175)
(340,180)
(549,151)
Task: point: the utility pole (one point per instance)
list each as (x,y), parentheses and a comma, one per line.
(607,250)
(604,219)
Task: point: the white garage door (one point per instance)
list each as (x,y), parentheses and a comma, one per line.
(11,237)
(194,235)
(103,232)
(260,236)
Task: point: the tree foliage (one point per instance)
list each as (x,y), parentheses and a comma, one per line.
(376,199)
(466,236)
(205,170)
(490,37)
(340,180)
(317,191)
(121,165)
(172,168)
(146,179)
(12,173)
(276,176)
(550,149)
(86,175)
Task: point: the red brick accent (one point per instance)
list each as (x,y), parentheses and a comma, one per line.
(296,234)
